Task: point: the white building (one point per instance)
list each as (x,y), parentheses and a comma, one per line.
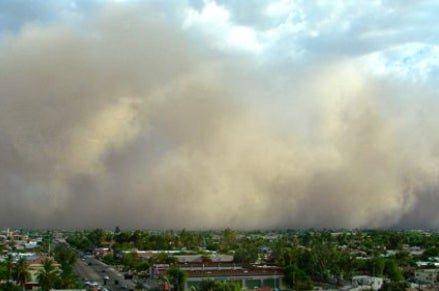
(367,282)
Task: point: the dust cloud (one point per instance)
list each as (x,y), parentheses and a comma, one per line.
(128,121)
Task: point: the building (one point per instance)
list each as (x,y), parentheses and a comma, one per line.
(367,282)
(427,276)
(249,277)
(35,266)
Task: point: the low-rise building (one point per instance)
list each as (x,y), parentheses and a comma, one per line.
(427,276)
(367,282)
(249,277)
(35,266)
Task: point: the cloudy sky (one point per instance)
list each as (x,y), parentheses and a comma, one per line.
(211,114)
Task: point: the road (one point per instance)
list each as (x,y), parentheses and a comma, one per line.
(93,270)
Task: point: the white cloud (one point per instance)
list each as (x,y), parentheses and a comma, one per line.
(215,22)
(411,61)
(389,39)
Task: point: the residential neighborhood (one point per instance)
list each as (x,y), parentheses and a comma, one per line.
(238,260)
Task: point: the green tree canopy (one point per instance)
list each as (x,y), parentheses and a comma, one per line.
(392,271)
(48,276)
(177,278)
(20,272)
(297,279)
(211,285)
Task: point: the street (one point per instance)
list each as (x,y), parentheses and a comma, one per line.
(99,274)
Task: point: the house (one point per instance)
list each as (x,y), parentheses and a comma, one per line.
(427,264)
(367,282)
(100,252)
(35,266)
(415,251)
(427,276)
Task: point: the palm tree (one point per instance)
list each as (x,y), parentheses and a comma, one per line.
(177,277)
(48,275)
(20,272)
(68,280)
(9,265)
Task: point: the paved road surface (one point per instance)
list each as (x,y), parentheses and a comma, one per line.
(93,270)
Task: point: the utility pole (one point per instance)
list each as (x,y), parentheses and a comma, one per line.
(373,273)
(50,239)
(294,280)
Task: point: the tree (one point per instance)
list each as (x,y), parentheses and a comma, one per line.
(96,236)
(392,271)
(3,271)
(64,255)
(9,262)
(247,254)
(67,258)
(48,276)
(80,241)
(67,279)
(177,278)
(395,286)
(228,240)
(108,259)
(20,272)
(297,279)
(6,273)
(9,287)
(132,261)
(164,258)
(376,266)
(210,285)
